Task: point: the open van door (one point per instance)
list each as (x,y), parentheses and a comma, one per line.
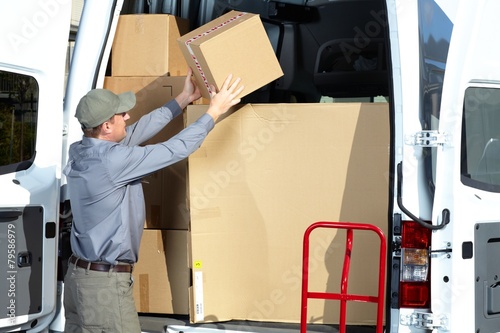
(445,266)
(34,43)
(465,287)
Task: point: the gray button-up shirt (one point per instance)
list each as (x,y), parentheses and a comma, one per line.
(104,183)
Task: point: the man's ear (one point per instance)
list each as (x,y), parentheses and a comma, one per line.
(106,126)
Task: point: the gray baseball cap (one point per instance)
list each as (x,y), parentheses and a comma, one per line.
(99,105)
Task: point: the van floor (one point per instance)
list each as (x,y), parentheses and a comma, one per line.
(181,324)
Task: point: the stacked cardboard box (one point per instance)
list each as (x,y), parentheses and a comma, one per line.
(145,45)
(151,93)
(146,59)
(161,278)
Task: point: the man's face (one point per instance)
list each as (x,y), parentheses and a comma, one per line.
(118,126)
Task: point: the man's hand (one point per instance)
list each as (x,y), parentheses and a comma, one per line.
(225,98)
(190,92)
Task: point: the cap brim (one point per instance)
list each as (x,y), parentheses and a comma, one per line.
(127,102)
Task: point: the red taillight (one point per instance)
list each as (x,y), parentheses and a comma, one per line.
(414,287)
(414,294)
(415,236)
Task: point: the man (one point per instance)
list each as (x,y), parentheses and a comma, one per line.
(104,175)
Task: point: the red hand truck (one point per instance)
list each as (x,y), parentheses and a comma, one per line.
(343,296)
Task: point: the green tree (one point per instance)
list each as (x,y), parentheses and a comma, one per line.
(17,118)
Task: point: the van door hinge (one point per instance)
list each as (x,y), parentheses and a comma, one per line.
(427,139)
(423,320)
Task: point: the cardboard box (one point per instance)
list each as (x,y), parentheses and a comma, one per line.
(151,93)
(165,190)
(235,43)
(165,198)
(145,45)
(161,276)
(262,176)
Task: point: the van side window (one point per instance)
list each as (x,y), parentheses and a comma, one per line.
(18,121)
(480,162)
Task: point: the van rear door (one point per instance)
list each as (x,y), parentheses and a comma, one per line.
(465,257)
(34,43)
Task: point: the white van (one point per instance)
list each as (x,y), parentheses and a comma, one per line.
(436,62)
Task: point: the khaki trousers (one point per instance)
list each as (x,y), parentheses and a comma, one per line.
(98,302)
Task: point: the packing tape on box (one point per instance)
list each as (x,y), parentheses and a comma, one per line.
(144,292)
(211,30)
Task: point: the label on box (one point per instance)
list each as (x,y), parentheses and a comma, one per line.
(198,296)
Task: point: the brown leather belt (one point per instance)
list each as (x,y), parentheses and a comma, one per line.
(101,267)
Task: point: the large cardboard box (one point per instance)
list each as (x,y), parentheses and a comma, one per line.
(262,176)
(145,45)
(161,276)
(235,43)
(165,190)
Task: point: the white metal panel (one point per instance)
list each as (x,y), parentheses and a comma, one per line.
(405,54)
(472,61)
(404,47)
(76,12)
(34,41)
